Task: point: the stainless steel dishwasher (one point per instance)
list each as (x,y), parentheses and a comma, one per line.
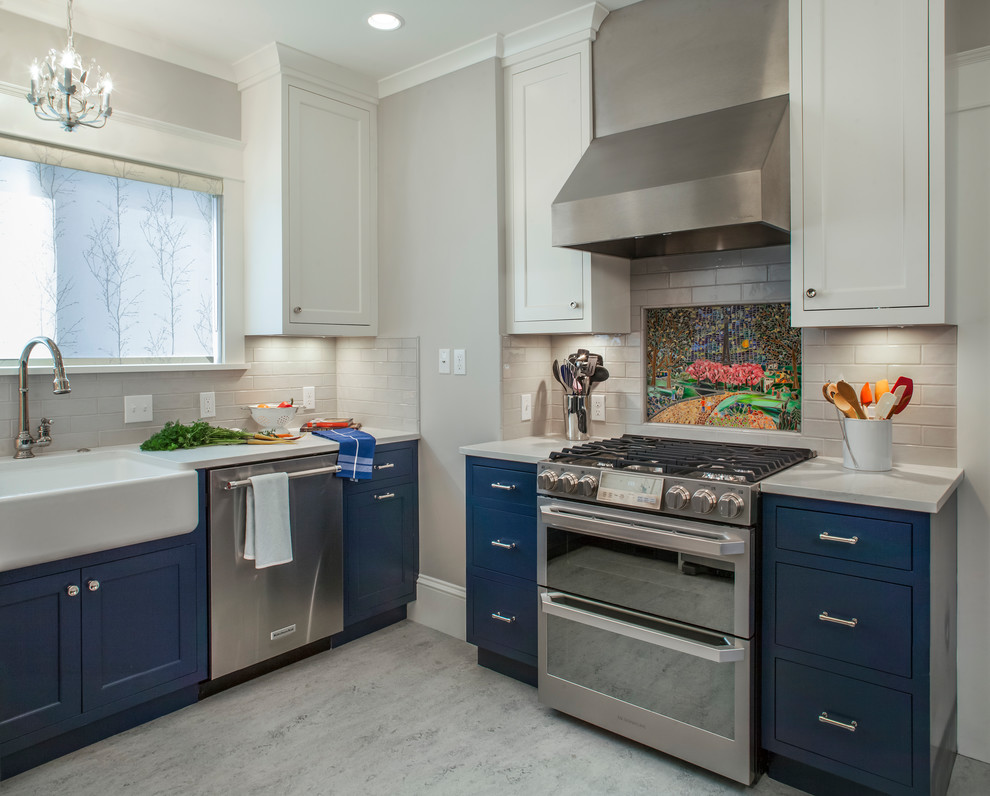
(257,614)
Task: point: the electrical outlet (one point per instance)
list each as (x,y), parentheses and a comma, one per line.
(207,404)
(460,362)
(309,397)
(137,408)
(597,407)
(527,407)
(444,360)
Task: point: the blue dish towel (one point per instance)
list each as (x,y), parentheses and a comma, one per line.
(357,451)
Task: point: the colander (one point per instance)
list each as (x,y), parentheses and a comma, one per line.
(276,417)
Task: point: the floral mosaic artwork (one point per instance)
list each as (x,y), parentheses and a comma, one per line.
(737,365)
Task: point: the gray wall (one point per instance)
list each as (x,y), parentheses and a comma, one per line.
(440,254)
(144,86)
(967,25)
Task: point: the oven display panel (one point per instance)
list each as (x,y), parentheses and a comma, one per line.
(628,489)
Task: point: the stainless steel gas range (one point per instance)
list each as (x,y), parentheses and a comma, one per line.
(646,567)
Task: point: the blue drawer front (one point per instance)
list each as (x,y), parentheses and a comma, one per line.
(517,604)
(881,742)
(511,487)
(393,462)
(504,541)
(881,638)
(880,542)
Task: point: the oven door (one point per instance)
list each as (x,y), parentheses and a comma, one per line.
(678,689)
(681,570)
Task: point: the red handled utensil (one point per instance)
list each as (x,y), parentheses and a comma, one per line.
(903,389)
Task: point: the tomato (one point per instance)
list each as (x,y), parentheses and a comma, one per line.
(284,405)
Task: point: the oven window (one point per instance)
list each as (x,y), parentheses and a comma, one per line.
(688,588)
(674,684)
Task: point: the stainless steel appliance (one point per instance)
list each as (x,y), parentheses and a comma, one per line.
(646,568)
(257,614)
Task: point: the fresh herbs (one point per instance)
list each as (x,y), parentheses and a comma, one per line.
(175,436)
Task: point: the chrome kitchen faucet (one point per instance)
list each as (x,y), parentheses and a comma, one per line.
(24,444)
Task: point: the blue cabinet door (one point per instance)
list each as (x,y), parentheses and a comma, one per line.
(39,653)
(138,624)
(381,549)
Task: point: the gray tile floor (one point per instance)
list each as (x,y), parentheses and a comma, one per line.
(404,711)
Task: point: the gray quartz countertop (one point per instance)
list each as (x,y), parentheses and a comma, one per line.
(907,486)
(911,487)
(226,455)
(529,450)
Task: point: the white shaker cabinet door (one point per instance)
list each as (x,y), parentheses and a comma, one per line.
(330,213)
(863,248)
(549,129)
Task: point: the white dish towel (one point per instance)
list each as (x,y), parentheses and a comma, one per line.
(267,531)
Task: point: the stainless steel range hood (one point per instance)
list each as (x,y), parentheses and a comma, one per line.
(715,181)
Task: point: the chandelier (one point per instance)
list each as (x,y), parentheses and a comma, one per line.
(62,91)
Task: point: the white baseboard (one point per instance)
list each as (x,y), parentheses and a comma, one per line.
(440,605)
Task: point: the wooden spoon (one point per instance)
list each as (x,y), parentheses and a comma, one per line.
(847,394)
(828,390)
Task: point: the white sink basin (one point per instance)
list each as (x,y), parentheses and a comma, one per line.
(58,505)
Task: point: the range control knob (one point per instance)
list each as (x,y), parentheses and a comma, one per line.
(547,480)
(587,485)
(678,497)
(703,501)
(568,482)
(730,505)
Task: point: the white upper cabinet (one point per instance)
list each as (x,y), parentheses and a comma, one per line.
(867,162)
(548,128)
(311,259)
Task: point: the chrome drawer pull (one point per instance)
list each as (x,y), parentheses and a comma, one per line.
(386,496)
(847,622)
(824,719)
(506,487)
(825,536)
(503,545)
(386,466)
(507,619)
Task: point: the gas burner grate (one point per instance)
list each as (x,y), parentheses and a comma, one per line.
(716,461)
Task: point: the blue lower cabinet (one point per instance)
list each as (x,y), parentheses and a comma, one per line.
(381,537)
(502,601)
(93,645)
(138,624)
(858,647)
(39,666)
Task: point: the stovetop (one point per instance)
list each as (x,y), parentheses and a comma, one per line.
(671,476)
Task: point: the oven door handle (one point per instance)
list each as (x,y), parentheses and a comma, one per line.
(645,532)
(718,653)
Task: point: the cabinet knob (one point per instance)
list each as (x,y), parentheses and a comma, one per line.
(574,305)
(93,585)
(297,310)
(811,292)
(72,591)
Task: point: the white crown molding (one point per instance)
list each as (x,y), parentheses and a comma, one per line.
(277,58)
(468,55)
(967,80)
(581,24)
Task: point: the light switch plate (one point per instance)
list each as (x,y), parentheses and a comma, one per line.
(527,406)
(460,362)
(444,364)
(137,408)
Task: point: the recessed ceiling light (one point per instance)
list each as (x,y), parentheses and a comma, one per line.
(385,21)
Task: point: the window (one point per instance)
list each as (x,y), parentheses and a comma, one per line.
(117,262)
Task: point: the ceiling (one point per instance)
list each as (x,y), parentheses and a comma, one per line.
(211,35)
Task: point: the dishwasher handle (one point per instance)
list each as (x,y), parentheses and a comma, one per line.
(335,468)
